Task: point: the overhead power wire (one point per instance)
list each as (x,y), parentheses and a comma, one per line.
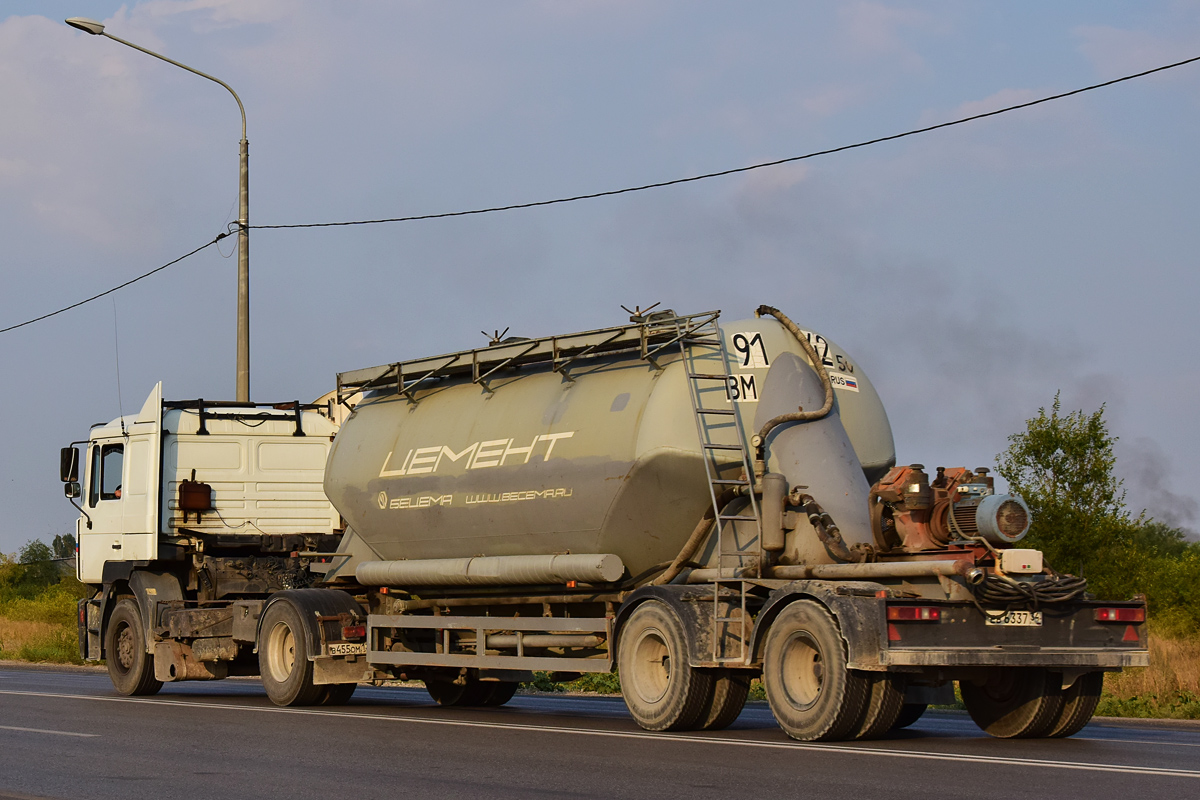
(736,170)
(115,288)
(627,190)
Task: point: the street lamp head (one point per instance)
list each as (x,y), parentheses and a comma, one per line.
(86,25)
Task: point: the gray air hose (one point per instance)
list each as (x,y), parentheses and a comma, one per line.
(693,542)
(797,416)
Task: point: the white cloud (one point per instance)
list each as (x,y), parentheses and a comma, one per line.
(1116,51)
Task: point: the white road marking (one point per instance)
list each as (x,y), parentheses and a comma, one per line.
(1155,743)
(42,730)
(655,737)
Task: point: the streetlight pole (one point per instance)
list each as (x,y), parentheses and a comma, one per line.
(243,304)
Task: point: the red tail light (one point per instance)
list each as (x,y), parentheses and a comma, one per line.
(914,614)
(354,633)
(1120,615)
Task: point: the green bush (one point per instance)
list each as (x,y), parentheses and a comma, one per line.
(595,682)
(1064,466)
(1170,705)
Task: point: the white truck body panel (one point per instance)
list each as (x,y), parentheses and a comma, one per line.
(264,479)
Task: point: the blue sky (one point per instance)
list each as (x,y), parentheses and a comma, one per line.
(973,272)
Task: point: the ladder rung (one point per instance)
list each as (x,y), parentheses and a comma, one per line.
(723,447)
(729,482)
(725,412)
(736,516)
(703,376)
(713,342)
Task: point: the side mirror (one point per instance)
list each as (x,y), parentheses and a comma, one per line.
(68,466)
(71,490)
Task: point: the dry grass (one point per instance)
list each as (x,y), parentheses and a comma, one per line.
(1169,687)
(37,641)
(16,633)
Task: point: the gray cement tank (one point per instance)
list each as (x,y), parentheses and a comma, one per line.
(587,443)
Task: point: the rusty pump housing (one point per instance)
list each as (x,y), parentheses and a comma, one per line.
(911,514)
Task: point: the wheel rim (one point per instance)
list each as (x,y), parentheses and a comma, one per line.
(802,671)
(652,662)
(1005,689)
(125,644)
(281,651)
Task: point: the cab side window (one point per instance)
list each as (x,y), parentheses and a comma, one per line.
(94,478)
(112,457)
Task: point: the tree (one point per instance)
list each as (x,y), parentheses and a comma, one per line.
(38,561)
(1063,466)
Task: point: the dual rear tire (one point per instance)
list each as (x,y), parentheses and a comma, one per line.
(1030,703)
(285,665)
(472,692)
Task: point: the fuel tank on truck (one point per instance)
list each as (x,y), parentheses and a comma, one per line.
(583,443)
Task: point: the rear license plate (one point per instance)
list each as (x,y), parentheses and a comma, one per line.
(359,649)
(1017,619)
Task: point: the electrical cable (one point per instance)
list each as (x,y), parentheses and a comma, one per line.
(115,288)
(612,192)
(735,170)
(1003,591)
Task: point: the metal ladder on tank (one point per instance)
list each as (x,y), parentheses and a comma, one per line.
(706,365)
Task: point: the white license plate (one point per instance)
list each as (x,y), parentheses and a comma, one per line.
(352,649)
(1017,619)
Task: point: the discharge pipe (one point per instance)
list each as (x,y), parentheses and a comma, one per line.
(818,365)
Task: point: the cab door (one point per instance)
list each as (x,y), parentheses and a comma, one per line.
(102,540)
(121,497)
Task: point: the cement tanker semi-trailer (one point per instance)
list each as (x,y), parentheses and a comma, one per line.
(689,503)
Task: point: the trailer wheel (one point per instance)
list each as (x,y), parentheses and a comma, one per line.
(730,689)
(130,667)
(446,692)
(909,714)
(1014,703)
(1079,704)
(885,701)
(287,674)
(337,694)
(499,692)
(812,694)
(661,690)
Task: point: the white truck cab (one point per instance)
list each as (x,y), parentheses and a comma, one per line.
(195,476)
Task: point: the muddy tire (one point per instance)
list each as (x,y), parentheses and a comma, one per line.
(287,673)
(909,714)
(884,704)
(661,690)
(730,688)
(1018,703)
(1079,704)
(499,692)
(448,693)
(130,667)
(812,694)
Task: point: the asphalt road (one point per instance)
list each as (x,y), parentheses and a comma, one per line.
(69,735)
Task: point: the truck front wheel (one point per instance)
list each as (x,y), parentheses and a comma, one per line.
(813,696)
(1017,703)
(130,667)
(287,673)
(661,690)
